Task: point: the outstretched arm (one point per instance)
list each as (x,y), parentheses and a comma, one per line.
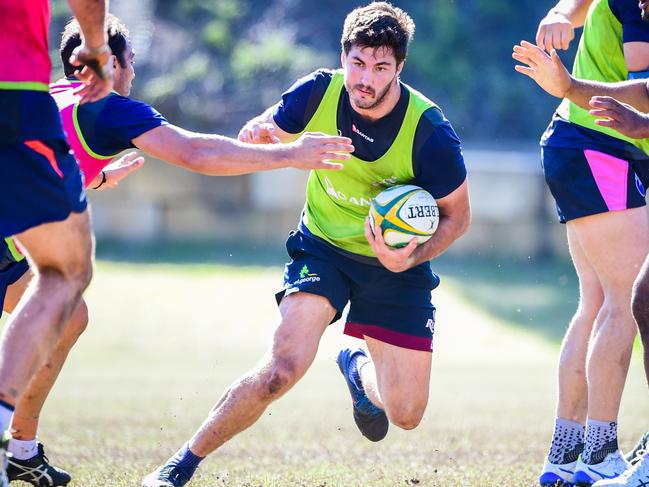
(557,29)
(551,75)
(93,55)
(216,155)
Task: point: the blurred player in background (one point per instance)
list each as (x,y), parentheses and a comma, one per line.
(97,132)
(42,200)
(399,137)
(597,177)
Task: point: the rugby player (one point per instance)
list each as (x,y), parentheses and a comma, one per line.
(399,137)
(42,200)
(622,106)
(97,132)
(598,178)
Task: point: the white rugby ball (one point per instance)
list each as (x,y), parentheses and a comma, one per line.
(404,212)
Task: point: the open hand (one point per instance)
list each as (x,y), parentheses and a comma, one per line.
(394,260)
(620,116)
(122,167)
(547,70)
(315,150)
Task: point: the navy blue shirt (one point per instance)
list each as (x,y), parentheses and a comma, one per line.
(110,125)
(438,163)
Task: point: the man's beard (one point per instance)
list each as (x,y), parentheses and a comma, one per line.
(379,99)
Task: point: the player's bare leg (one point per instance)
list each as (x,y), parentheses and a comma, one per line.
(397,380)
(607,263)
(24,424)
(572,401)
(295,343)
(61,255)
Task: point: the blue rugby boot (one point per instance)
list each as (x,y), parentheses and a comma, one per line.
(371,420)
(169,475)
(557,475)
(37,471)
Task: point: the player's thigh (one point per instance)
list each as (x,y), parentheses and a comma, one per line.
(402,374)
(66,245)
(305,317)
(590,287)
(615,243)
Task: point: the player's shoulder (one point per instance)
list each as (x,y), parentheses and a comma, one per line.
(317,80)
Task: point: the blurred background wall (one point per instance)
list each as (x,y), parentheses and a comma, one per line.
(210,65)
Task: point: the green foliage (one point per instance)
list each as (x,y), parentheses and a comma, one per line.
(240,55)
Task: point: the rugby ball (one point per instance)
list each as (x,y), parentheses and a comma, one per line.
(404,212)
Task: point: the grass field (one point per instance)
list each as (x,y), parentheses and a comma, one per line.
(165,340)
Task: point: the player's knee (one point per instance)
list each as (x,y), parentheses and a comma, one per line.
(281,376)
(407,418)
(405,415)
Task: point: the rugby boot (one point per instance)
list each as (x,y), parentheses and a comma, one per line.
(557,474)
(612,466)
(636,476)
(370,419)
(37,471)
(639,450)
(169,475)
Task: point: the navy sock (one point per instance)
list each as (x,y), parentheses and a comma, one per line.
(185,459)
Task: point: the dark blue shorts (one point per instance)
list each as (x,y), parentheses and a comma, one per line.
(10,275)
(586,182)
(40,183)
(391,307)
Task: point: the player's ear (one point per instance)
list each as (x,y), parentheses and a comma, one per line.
(343,58)
(400,67)
(114,61)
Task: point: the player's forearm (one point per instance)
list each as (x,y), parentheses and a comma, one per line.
(573,10)
(449,230)
(91,15)
(634,93)
(215,155)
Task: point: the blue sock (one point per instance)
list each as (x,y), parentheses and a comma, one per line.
(185,459)
(6,412)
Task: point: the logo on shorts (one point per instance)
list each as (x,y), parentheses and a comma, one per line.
(306,276)
(430,324)
(639,186)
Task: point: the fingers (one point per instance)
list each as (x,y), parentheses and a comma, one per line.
(369,234)
(604,102)
(525,70)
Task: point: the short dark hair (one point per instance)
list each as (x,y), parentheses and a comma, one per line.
(379,24)
(118,36)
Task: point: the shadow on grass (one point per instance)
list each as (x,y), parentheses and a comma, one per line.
(536,294)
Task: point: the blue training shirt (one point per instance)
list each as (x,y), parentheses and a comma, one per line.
(438,163)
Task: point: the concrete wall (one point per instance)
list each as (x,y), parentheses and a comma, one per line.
(512,210)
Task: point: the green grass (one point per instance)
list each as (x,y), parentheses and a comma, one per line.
(165,340)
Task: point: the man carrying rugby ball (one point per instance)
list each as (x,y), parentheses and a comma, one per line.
(399,137)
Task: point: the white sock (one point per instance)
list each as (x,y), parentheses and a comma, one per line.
(23,450)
